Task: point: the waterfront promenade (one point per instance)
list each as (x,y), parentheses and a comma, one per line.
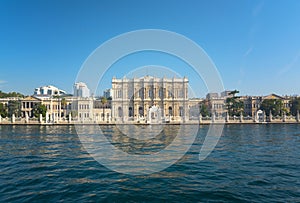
(201,121)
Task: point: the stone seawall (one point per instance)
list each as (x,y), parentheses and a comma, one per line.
(190,122)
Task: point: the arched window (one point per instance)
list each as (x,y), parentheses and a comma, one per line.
(141,111)
(130,112)
(120,112)
(180,111)
(170,111)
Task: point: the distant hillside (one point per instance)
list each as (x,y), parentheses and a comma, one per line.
(10,94)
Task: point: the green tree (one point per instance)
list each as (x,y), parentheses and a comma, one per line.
(272,105)
(14,107)
(10,94)
(204,110)
(3,110)
(234,106)
(39,109)
(234,92)
(295,106)
(74,114)
(104,105)
(63,104)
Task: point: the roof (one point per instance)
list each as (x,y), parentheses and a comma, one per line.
(273,96)
(30,98)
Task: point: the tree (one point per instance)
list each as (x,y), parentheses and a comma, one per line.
(14,107)
(234,105)
(204,110)
(295,106)
(74,114)
(104,104)
(234,92)
(10,94)
(39,109)
(272,105)
(3,110)
(63,104)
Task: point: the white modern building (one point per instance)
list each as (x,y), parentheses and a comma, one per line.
(48,90)
(81,90)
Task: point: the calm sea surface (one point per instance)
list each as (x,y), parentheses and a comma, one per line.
(251,163)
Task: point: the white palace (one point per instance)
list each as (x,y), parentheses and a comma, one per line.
(150,99)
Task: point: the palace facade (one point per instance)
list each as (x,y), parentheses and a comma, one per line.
(150,99)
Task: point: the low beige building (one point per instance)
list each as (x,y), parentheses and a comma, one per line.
(27,105)
(216,104)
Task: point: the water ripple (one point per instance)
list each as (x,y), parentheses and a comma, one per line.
(251,163)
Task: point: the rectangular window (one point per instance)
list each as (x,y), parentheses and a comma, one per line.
(180,111)
(160,93)
(180,93)
(150,93)
(140,93)
(119,94)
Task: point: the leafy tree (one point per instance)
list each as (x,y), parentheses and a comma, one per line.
(63,104)
(74,114)
(273,105)
(14,107)
(204,110)
(10,94)
(3,110)
(39,109)
(234,92)
(295,106)
(104,105)
(234,105)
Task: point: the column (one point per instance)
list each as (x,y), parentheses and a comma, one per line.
(284,117)
(59,113)
(13,118)
(41,118)
(241,117)
(213,117)
(26,117)
(227,117)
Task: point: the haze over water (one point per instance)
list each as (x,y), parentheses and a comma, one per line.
(257,163)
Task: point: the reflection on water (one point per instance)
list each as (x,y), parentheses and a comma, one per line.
(141,132)
(122,153)
(124,141)
(251,163)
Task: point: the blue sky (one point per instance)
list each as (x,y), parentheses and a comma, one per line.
(254,44)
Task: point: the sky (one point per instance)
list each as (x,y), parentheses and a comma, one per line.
(254,44)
